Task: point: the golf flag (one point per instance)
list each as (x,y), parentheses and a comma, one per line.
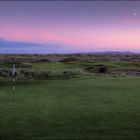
(14,70)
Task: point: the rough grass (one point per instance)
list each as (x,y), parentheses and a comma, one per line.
(91,108)
(114,65)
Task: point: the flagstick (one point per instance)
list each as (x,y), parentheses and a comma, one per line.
(14,88)
(14,81)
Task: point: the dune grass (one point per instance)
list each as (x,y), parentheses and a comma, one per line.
(91,108)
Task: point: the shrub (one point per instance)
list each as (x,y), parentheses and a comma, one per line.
(70,59)
(103,69)
(68,74)
(5,73)
(36,74)
(45,75)
(97,69)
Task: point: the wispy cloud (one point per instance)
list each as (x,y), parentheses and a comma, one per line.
(8,43)
(7,46)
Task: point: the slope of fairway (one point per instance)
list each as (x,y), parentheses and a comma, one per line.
(94,108)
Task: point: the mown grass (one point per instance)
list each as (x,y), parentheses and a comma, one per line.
(95,108)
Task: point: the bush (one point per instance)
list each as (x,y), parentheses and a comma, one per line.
(35,74)
(97,69)
(70,59)
(91,69)
(45,75)
(103,69)
(5,73)
(69,74)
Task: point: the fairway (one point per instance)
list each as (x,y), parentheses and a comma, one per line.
(83,108)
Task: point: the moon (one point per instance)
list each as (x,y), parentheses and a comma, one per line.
(134,14)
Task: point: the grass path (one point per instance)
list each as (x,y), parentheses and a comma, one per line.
(94,108)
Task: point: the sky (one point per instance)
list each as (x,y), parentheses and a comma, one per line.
(69,26)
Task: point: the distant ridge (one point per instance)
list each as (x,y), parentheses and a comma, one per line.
(19,47)
(111,52)
(75,53)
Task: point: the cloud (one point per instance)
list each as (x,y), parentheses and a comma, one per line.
(14,44)
(7,46)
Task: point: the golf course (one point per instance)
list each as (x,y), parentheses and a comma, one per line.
(69,70)
(80,108)
(70,100)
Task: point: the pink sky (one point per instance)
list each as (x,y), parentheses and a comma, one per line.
(83,39)
(107,29)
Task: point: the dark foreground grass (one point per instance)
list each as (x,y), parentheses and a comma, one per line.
(83,108)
